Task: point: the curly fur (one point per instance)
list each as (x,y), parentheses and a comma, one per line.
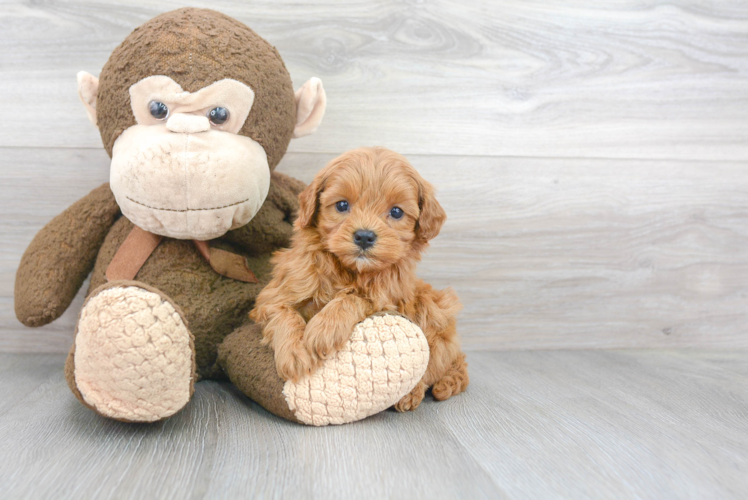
(324,284)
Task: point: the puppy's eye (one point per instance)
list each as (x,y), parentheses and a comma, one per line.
(158,110)
(397,213)
(218,116)
(341,206)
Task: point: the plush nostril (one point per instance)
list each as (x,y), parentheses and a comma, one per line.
(364,238)
(184,123)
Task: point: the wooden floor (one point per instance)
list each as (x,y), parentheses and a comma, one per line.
(541,424)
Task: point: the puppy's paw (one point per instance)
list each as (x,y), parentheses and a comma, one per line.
(293,361)
(410,401)
(453,382)
(325,335)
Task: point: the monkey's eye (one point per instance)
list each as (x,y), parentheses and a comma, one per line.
(341,206)
(397,213)
(218,116)
(158,110)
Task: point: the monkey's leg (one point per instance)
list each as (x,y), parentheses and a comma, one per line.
(133,358)
(250,365)
(384,359)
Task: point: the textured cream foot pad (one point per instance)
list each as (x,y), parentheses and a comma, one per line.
(133,359)
(383,360)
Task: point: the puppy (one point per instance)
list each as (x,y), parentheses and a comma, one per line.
(362,225)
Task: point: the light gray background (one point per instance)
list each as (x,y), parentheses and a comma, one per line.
(592,160)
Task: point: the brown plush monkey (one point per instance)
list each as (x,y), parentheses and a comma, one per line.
(196,110)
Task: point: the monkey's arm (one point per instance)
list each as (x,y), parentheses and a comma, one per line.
(60,257)
(272,227)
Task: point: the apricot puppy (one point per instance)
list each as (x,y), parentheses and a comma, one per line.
(362,225)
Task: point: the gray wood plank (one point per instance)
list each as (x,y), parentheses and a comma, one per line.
(48,181)
(607,424)
(220,446)
(545,253)
(629,79)
(543,424)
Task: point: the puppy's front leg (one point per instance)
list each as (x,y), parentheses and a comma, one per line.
(283,329)
(410,401)
(330,329)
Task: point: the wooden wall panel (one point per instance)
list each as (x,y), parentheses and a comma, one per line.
(630,79)
(592,158)
(545,253)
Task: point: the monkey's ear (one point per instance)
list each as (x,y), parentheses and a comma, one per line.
(308,203)
(432,216)
(88,90)
(311,101)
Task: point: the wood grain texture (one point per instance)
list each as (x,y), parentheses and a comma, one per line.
(543,424)
(544,253)
(630,79)
(591,158)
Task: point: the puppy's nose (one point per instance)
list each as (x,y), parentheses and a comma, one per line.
(364,238)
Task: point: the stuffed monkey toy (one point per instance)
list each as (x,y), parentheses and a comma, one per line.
(196,110)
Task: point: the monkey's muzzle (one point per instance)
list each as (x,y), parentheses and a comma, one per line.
(188,185)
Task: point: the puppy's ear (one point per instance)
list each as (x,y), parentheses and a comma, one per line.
(432,216)
(309,203)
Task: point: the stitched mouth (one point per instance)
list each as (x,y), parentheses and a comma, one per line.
(185,209)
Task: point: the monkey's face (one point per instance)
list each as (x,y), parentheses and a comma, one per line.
(195,110)
(183,171)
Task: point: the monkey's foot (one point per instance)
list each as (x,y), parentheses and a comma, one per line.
(133,357)
(384,359)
